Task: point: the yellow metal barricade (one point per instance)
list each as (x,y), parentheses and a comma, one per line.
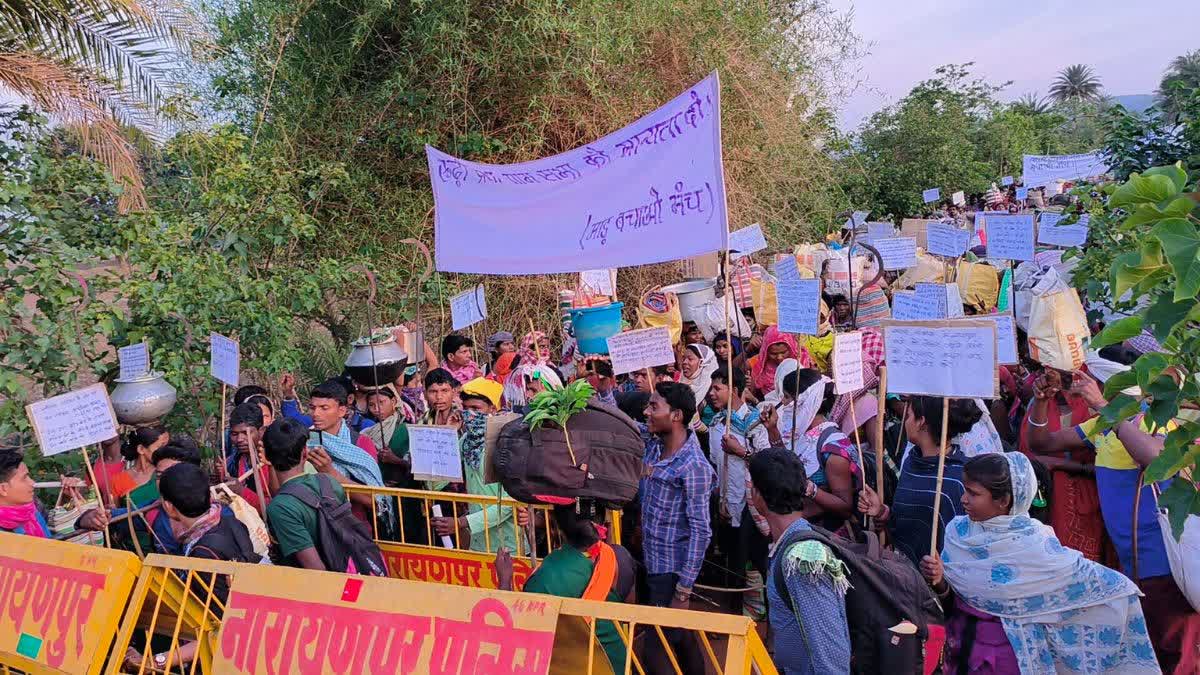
(422,556)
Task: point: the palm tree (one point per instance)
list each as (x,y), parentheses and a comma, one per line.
(1076,83)
(1031,104)
(96,66)
(1182,76)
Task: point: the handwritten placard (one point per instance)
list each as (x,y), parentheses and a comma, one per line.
(958,198)
(1053,234)
(941,358)
(847,362)
(640,349)
(898,253)
(434,453)
(877,231)
(1006,181)
(134,360)
(72,420)
(468,308)
(1022,193)
(1006,337)
(799,306)
(600,282)
(931,195)
(225,359)
(1010,237)
(906,306)
(946,240)
(786,268)
(747,240)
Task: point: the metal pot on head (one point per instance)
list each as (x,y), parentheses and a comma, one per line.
(693,294)
(142,399)
(375,364)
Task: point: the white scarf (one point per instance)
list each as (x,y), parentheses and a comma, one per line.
(701,381)
(795,418)
(1061,612)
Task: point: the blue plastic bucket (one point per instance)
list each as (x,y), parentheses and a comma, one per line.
(594,325)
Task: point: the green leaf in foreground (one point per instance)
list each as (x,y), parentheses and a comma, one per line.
(1181,244)
(1117,331)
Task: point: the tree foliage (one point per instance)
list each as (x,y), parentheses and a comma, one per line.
(1076,82)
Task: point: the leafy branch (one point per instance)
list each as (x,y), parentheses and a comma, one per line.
(558,406)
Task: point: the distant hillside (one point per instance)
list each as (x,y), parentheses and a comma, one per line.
(1134,102)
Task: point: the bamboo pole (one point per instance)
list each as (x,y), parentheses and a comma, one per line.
(221,459)
(258,479)
(880,423)
(87,463)
(937,490)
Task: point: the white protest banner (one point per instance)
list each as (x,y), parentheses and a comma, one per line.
(1022,193)
(640,349)
(434,453)
(786,268)
(958,198)
(898,253)
(931,195)
(1006,337)
(1010,237)
(72,420)
(1053,234)
(1006,181)
(600,282)
(847,362)
(225,359)
(941,358)
(799,305)
(906,306)
(1039,170)
(651,192)
(856,219)
(946,240)
(747,240)
(468,308)
(932,298)
(877,231)
(134,360)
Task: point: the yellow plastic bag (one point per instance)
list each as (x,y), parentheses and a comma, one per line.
(766,305)
(661,309)
(979,285)
(1058,330)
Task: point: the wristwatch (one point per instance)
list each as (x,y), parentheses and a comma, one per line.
(160,660)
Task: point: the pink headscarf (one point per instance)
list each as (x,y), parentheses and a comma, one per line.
(762,376)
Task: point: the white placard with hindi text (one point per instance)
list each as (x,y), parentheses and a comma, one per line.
(1006,337)
(946,240)
(640,349)
(600,282)
(1053,234)
(931,195)
(941,358)
(847,362)
(747,240)
(877,231)
(225,359)
(799,306)
(72,420)
(1006,181)
(134,360)
(907,306)
(468,308)
(932,298)
(958,198)
(1022,193)
(786,268)
(434,453)
(898,253)
(1010,237)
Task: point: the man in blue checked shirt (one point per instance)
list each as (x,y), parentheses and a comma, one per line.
(677,481)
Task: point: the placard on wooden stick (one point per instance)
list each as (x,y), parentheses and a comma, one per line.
(847,362)
(468,308)
(225,359)
(640,349)
(434,453)
(941,358)
(73,420)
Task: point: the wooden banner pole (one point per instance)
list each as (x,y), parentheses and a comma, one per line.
(221,459)
(881,451)
(937,490)
(258,479)
(87,463)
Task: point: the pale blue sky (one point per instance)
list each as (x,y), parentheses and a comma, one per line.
(1129,44)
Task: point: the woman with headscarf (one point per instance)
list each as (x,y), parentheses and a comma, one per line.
(504,367)
(696,366)
(1023,602)
(777,346)
(535,348)
(527,381)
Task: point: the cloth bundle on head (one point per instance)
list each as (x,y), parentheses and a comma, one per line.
(496,339)
(486,388)
(1060,611)
(701,380)
(514,387)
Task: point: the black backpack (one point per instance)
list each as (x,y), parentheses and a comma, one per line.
(885,589)
(341,536)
